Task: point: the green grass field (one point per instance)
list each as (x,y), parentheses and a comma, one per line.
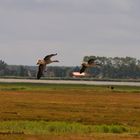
(62,111)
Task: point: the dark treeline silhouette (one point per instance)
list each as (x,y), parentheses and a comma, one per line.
(110,67)
(116,67)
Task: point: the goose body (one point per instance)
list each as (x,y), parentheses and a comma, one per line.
(42,64)
(90,63)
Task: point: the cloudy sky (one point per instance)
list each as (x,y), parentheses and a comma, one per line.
(30,29)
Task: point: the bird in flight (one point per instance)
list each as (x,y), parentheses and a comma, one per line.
(85,65)
(42,64)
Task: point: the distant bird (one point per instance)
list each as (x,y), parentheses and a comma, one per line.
(90,63)
(42,64)
(111,87)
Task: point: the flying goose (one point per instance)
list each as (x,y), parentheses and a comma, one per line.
(90,63)
(42,64)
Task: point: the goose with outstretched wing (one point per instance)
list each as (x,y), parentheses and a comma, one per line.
(90,63)
(42,64)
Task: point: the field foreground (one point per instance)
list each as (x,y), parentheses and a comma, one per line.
(62,111)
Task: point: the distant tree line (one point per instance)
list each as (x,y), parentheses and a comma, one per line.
(16,70)
(110,67)
(115,67)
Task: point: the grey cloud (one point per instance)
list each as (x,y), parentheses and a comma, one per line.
(90,6)
(78,27)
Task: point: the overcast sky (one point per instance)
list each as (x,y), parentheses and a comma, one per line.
(31,29)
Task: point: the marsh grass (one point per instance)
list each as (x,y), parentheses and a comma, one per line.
(43,127)
(30,87)
(68,109)
(47,87)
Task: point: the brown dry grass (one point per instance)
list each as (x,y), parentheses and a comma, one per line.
(69,137)
(88,106)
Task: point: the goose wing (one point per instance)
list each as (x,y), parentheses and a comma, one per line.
(40,71)
(91,61)
(47,57)
(83,68)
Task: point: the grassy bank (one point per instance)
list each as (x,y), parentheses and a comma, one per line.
(58,128)
(48,87)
